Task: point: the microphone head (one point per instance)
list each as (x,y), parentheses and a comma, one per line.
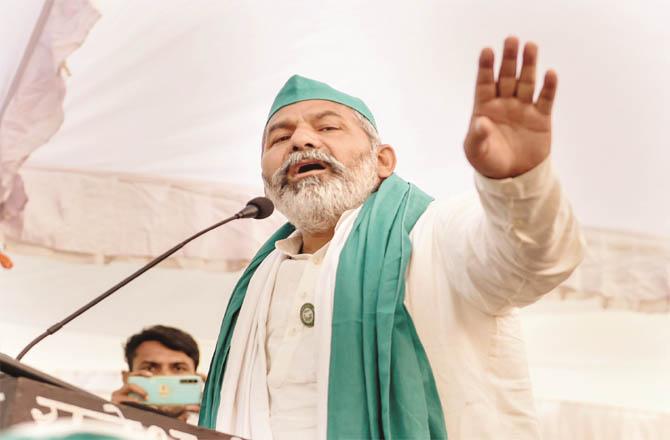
(264,205)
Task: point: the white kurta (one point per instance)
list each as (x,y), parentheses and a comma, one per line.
(472,264)
(291,345)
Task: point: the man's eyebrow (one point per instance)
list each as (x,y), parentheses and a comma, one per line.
(278,125)
(325,113)
(288,124)
(149,363)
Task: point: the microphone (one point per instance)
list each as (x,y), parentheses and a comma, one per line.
(258,208)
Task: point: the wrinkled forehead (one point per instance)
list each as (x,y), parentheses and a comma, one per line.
(309,110)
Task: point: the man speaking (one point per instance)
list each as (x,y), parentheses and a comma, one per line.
(378,312)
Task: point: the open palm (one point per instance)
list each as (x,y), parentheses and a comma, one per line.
(509,133)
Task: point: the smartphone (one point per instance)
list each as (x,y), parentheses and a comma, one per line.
(170,390)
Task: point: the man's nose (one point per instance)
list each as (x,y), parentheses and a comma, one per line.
(304,138)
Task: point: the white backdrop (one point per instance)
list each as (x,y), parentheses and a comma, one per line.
(182,89)
(15,38)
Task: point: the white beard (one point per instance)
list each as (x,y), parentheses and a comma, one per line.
(314,204)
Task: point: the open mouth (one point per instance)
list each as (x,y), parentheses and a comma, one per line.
(307,167)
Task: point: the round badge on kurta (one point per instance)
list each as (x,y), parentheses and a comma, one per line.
(307,314)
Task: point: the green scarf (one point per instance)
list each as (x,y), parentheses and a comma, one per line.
(380,384)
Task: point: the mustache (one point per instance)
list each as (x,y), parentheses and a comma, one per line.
(281,175)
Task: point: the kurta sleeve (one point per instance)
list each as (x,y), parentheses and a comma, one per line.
(520,241)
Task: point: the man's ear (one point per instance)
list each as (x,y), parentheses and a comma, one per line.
(124,376)
(386,160)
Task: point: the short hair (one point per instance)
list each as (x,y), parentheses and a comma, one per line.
(369,129)
(171,337)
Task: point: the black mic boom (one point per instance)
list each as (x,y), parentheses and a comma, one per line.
(258,208)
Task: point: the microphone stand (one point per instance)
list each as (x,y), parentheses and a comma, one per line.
(250,211)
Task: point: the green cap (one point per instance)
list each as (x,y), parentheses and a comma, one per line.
(298,88)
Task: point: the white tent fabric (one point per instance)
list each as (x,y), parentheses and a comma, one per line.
(178,100)
(598,374)
(622,271)
(84,212)
(31,109)
(163,113)
(102,216)
(15,39)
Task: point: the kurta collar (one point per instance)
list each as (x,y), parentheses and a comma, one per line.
(291,245)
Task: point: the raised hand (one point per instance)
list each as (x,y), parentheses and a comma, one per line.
(510,133)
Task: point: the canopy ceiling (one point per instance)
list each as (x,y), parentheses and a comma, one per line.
(174,90)
(166,102)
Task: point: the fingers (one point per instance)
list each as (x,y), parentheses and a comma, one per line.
(136,389)
(546,99)
(123,394)
(525,87)
(177,411)
(124,399)
(126,374)
(507,76)
(485,88)
(186,412)
(507,84)
(142,373)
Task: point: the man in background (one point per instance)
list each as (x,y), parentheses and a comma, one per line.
(159,351)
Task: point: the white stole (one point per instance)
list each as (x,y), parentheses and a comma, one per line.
(244,407)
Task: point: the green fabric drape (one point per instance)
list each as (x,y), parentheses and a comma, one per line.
(380,381)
